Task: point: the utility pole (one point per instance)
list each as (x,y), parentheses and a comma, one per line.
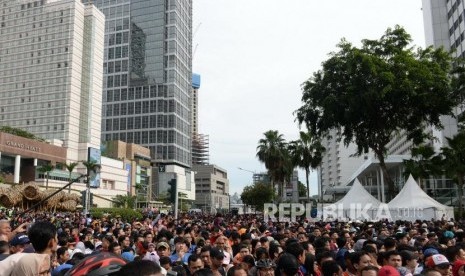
(87,203)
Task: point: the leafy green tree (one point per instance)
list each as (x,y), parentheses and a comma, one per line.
(306,153)
(453,161)
(46,169)
(257,195)
(272,151)
(373,92)
(70,168)
(302,190)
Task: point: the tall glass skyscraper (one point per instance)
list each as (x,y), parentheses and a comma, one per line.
(147,76)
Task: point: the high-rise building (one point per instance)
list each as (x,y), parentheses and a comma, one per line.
(338,164)
(445,27)
(51,68)
(200,142)
(51,56)
(147,76)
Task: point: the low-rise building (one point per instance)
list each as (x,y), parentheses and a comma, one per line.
(212,188)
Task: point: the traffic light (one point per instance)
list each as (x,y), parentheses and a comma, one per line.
(91,199)
(313,212)
(83,198)
(173,190)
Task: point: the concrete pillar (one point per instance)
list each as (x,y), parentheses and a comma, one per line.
(35,162)
(17,168)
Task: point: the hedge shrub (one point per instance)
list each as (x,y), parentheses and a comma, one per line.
(125,214)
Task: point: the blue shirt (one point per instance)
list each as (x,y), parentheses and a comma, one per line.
(175,257)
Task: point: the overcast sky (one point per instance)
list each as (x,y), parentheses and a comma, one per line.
(253,55)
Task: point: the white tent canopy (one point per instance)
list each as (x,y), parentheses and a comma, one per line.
(413,203)
(358,203)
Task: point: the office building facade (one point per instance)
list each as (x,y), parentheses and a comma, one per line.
(337,166)
(147,76)
(51,56)
(212,188)
(51,68)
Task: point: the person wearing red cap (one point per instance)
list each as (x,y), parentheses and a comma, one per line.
(458,268)
(388,270)
(439,263)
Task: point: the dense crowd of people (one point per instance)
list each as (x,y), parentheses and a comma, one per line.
(229,245)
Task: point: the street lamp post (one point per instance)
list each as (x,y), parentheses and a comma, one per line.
(252,172)
(87,203)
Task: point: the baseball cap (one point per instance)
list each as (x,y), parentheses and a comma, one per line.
(20,239)
(449,234)
(430,252)
(216,253)
(128,256)
(163,244)
(437,260)
(388,270)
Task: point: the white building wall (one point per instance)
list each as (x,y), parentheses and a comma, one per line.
(338,163)
(41,50)
(113,182)
(185,180)
(436,23)
(93,60)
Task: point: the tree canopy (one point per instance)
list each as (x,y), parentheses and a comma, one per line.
(372,92)
(257,195)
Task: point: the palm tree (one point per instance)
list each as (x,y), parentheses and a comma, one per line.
(124,201)
(46,169)
(271,151)
(70,168)
(421,165)
(283,173)
(91,166)
(306,153)
(453,161)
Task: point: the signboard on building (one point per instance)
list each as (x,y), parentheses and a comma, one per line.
(128,169)
(94,155)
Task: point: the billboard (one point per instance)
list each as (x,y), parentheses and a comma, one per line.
(94,155)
